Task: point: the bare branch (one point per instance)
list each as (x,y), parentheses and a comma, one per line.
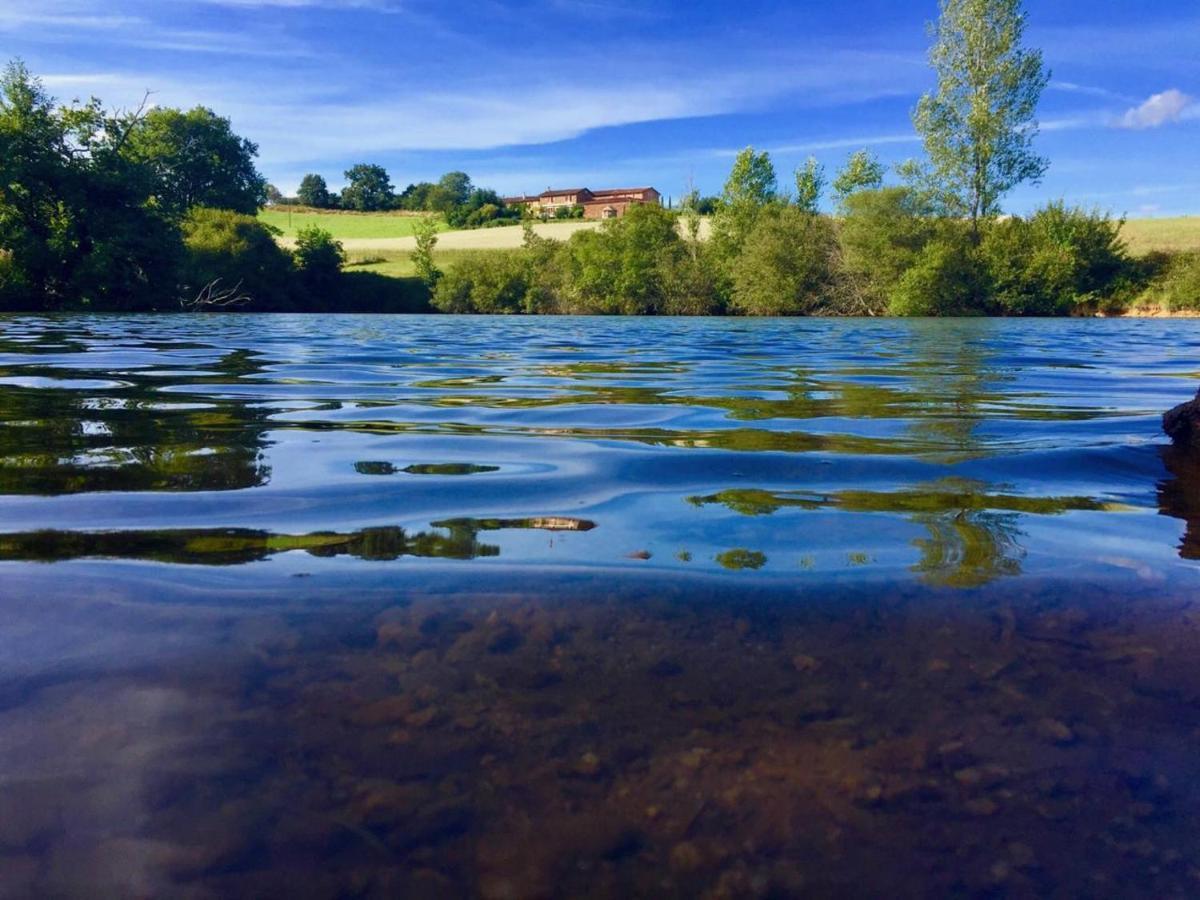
(212,297)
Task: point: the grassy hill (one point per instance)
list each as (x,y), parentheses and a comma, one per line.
(1170,235)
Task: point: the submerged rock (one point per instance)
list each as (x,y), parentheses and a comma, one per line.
(1182,424)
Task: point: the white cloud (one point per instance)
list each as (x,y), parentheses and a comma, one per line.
(1160,109)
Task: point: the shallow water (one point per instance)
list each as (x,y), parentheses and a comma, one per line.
(383,606)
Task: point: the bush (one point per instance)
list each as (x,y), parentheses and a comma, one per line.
(945,280)
(883,232)
(1053,261)
(236,249)
(786,264)
(1178,287)
(497,282)
(320,259)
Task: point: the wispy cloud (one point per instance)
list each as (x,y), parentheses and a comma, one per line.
(1160,109)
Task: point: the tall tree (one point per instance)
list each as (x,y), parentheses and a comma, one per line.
(313,192)
(368,189)
(199,161)
(750,188)
(980,122)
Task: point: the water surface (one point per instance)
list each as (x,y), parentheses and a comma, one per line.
(342,606)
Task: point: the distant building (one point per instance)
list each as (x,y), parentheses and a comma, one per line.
(611,203)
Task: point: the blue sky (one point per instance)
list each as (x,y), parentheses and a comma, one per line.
(524,94)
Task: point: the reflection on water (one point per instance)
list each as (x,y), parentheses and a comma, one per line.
(434,607)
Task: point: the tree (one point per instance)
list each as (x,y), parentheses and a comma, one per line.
(314,192)
(199,161)
(785,267)
(751,186)
(979,123)
(452,190)
(862,172)
(810,184)
(274,195)
(368,188)
(74,223)
(425,234)
(320,258)
(236,250)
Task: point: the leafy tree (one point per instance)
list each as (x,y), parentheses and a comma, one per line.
(314,192)
(320,259)
(74,225)
(751,186)
(274,195)
(452,190)
(425,233)
(492,283)
(416,196)
(979,124)
(368,188)
(882,233)
(199,161)
(810,184)
(862,172)
(785,267)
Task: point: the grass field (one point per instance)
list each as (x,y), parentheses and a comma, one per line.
(398,263)
(344,226)
(1171,235)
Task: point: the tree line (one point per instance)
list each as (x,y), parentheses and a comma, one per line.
(369,189)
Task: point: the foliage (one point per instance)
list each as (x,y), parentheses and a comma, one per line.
(452,190)
(979,124)
(496,283)
(198,161)
(74,224)
(786,264)
(810,184)
(314,192)
(1178,287)
(751,187)
(368,188)
(946,279)
(862,172)
(883,231)
(422,257)
(235,249)
(319,258)
(1057,258)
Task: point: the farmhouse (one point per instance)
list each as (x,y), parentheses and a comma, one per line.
(610,203)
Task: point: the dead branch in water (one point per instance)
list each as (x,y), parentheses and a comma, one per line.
(211,297)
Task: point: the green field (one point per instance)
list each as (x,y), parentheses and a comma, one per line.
(342,225)
(1168,235)
(399,264)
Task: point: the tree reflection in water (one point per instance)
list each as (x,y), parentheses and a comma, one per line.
(1179,496)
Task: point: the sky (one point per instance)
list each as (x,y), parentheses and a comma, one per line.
(528,94)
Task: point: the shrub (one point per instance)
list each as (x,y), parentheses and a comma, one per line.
(236,249)
(883,232)
(493,283)
(319,257)
(12,281)
(1056,259)
(945,280)
(1178,288)
(785,266)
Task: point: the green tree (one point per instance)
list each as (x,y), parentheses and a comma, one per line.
(319,258)
(74,223)
(810,185)
(452,190)
(199,161)
(882,233)
(368,188)
(785,267)
(425,233)
(979,124)
(862,172)
(314,192)
(751,187)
